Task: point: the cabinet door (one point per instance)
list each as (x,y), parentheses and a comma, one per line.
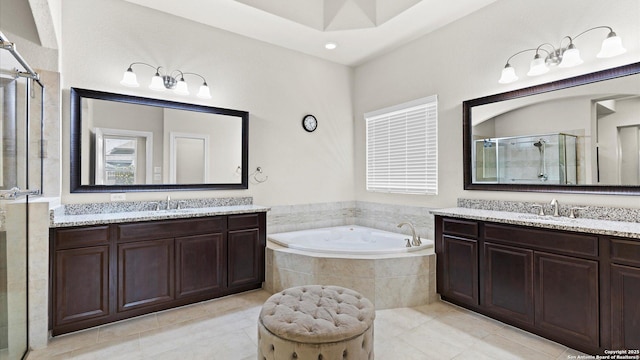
(625,299)
(246,257)
(566,297)
(145,273)
(200,264)
(460,262)
(508,282)
(81,279)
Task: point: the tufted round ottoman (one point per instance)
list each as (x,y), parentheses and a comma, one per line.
(316,322)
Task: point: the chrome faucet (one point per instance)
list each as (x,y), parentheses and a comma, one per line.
(168,202)
(415,239)
(555,204)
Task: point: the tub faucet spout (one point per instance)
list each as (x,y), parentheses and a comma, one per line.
(415,241)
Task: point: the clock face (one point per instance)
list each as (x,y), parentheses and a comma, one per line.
(309,123)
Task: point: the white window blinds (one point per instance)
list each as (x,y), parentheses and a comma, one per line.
(402,148)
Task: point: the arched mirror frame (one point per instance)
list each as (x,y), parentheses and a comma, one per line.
(76,185)
(467,107)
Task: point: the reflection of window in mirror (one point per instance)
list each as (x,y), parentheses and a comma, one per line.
(119,160)
(123,157)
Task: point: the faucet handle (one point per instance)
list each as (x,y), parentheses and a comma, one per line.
(541,211)
(572,211)
(180,203)
(408,244)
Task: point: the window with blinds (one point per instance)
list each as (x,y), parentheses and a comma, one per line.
(402,148)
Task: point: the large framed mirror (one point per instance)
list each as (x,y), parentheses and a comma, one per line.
(123,143)
(580,134)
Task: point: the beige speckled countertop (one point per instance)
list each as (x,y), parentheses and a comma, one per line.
(592,226)
(132,216)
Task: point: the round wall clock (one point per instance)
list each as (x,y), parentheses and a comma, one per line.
(309,123)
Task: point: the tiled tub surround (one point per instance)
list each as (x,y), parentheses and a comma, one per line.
(374,215)
(389,281)
(116,212)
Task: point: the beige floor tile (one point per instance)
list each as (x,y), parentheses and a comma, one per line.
(226,329)
(499,348)
(113,349)
(182,314)
(532,341)
(396,349)
(471,323)
(128,327)
(252,333)
(69,342)
(438,339)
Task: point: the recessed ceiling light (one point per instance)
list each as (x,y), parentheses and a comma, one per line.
(330,45)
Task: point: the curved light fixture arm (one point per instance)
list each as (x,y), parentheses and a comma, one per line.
(202,77)
(593,28)
(520,52)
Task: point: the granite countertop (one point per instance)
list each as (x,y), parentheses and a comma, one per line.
(63,220)
(592,226)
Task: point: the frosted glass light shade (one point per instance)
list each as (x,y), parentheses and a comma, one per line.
(538,66)
(204,92)
(157,83)
(611,46)
(129,79)
(508,75)
(571,57)
(181,88)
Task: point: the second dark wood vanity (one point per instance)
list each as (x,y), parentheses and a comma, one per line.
(579,289)
(105,273)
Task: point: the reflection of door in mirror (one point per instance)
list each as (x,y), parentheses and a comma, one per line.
(188,158)
(123,157)
(618,124)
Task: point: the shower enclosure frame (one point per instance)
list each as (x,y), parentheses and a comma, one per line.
(15,192)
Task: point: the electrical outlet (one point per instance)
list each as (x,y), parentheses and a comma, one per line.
(119,197)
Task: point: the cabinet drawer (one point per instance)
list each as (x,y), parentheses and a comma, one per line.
(246,221)
(460,227)
(170,229)
(81,237)
(569,243)
(625,251)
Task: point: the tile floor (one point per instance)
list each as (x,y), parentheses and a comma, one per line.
(225,329)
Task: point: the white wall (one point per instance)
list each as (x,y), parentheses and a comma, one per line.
(463,61)
(278,87)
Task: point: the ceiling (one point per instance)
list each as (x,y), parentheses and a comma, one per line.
(362,29)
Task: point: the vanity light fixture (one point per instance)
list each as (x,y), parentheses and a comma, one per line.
(564,57)
(167,81)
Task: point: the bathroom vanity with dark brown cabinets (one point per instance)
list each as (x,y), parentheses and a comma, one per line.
(579,289)
(105,273)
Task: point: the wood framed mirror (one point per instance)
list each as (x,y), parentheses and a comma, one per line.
(576,135)
(123,143)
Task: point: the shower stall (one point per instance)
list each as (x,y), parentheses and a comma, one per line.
(531,159)
(21,130)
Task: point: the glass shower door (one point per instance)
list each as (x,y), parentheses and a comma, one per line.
(20,177)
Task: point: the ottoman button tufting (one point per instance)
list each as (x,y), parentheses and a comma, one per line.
(339,326)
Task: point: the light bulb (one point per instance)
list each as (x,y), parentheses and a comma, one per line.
(611,46)
(204,92)
(570,57)
(508,75)
(538,66)
(157,83)
(129,79)
(181,88)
